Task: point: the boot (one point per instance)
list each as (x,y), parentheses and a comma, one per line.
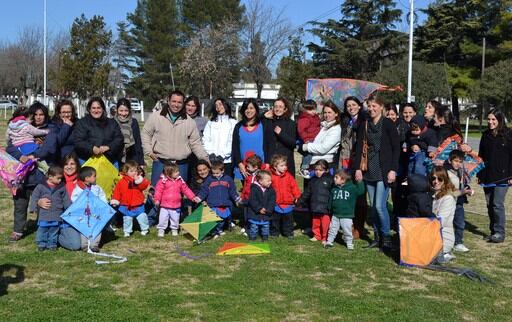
(387,243)
(375,243)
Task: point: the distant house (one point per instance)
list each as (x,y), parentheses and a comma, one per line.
(244,90)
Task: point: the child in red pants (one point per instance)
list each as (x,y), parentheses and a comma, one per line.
(316,196)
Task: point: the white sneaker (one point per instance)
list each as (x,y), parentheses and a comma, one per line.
(174,232)
(161,233)
(232,224)
(216,236)
(126,234)
(222,233)
(304,173)
(461,248)
(244,234)
(242,231)
(313,239)
(144,232)
(448,257)
(350,246)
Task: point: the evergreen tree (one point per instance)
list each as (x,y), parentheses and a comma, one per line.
(198,14)
(361,42)
(85,65)
(256,69)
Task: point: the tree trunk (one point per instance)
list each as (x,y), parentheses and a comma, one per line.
(259,88)
(455,105)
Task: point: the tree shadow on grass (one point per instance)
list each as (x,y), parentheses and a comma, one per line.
(10,274)
(474,229)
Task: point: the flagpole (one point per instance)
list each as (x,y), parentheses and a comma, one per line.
(44,56)
(411,31)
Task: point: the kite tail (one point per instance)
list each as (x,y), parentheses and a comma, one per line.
(187,255)
(119,259)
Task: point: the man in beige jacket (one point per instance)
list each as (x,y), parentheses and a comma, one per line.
(170,135)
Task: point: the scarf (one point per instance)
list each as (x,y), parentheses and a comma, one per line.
(71,182)
(126,129)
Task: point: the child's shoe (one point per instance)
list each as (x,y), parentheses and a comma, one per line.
(461,248)
(144,232)
(328,245)
(174,232)
(313,239)
(161,233)
(222,233)
(126,234)
(242,230)
(216,236)
(95,249)
(350,246)
(14,237)
(305,173)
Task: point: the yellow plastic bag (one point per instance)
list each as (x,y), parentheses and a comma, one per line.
(107,175)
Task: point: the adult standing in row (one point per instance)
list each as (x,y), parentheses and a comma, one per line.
(383,150)
(95,134)
(218,134)
(192,108)
(248,137)
(430,112)
(129,126)
(64,120)
(496,151)
(280,133)
(170,135)
(47,150)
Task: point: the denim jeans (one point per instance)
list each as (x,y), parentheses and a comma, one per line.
(69,238)
(306,161)
(158,168)
(495,197)
(46,237)
(220,226)
(459,223)
(254,229)
(378,195)
(128,223)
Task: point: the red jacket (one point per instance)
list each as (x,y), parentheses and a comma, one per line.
(250,179)
(129,193)
(287,190)
(308,126)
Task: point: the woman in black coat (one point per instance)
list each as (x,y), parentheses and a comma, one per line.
(496,151)
(280,133)
(383,142)
(64,121)
(95,134)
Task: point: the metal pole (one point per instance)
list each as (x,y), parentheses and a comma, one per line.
(411,31)
(172,77)
(482,78)
(44,56)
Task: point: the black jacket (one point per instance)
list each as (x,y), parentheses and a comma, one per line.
(389,147)
(317,193)
(259,200)
(496,151)
(427,140)
(135,151)
(90,132)
(284,143)
(419,200)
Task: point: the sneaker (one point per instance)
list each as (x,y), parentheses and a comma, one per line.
(242,231)
(324,242)
(222,233)
(113,228)
(446,257)
(161,233)
(216,236)
(244,234)
(350,246)
(95,249)
(232,225)
(328,245)
(14,237)
(144,232)
(174,232)
(126,234)
(313,239)
(304,173)
(497,238)
(461,248)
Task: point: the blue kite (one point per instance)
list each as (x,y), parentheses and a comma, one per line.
(89,215)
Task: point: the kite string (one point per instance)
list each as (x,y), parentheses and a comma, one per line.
(185,254)
(120,259)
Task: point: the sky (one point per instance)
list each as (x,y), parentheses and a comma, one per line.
(60,13)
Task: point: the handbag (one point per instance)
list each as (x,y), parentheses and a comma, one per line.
(363,166)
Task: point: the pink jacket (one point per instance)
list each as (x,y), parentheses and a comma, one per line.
(168,192)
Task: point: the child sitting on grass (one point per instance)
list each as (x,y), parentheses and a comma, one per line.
(287,195)
(261,203)
(168,195)
(316,196)
(54,190)
(219,192)
(87,180)
(129,196)
(344,195)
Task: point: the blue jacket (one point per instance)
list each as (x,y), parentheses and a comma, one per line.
(46,151)
(65,142)
(219,192)
(59,199)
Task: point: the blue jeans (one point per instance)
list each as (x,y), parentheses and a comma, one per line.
(220,226)
(46,237)
(459,223)
(69,238)
(378,195)
(158,168)
(254,229)
(417,164)
(306,161)
(128,223)
(495,197)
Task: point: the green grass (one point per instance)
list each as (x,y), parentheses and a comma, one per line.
(298,280)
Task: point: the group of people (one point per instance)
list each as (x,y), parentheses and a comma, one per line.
(360,153)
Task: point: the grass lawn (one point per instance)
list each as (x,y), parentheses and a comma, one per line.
(299,280)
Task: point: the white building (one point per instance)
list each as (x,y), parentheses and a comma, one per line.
(243,90)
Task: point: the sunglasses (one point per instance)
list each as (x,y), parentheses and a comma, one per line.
(434,178)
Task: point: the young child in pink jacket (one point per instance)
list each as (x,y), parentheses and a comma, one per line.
(168,195)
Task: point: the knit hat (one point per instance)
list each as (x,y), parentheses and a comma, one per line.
(419,120)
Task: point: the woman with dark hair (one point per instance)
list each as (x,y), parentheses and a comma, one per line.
(496,151)
(353,116)
(391,113)
(218,134)
(64,120)
(129,126)
(248,137)
(382,146)
(38,113)
(95,134)
(430,111)
(192,107)
(280,133)
(327,141)
(445,124)
(69,237)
